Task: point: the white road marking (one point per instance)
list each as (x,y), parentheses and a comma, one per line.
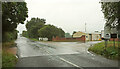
(48,52)
(70,63)
(16,56)
(90,53)
(66,61)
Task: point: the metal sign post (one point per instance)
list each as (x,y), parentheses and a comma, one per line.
(119,38)
(114,36)
(118,41)
(105,44)
(106,35)
(106,38)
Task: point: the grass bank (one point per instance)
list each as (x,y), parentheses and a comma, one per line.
(8,55)
(110,52)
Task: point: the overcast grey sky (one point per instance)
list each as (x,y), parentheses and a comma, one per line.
(70,15)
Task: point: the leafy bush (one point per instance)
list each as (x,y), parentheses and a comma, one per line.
(9,36)
(25,34)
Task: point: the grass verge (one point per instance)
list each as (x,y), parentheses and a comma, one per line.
(110,52)
(8,58)
(33,39)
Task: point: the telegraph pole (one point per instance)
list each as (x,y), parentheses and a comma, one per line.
(85,27)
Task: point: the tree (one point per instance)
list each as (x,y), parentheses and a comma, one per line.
(33,26)
(61,33)
(13,13)
(50,31)
(9,36)
(25,34)
(67,35)
(111,12)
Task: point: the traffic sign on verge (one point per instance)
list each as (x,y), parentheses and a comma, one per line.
(113,35)
(107,36)
(119,36)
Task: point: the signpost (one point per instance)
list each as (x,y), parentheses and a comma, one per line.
(106,35)
(114,35)
(106,38)
(118,38)
(105,44)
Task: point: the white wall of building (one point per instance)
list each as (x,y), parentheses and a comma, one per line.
(43,39)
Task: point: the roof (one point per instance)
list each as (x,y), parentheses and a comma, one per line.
(77,33)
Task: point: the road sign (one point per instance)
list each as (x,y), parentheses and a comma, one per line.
(113,35)
(107,36)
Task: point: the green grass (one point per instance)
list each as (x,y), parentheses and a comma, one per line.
(8,60)
(110,52)
(33,39)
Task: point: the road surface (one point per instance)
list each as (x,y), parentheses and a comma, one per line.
(59,54)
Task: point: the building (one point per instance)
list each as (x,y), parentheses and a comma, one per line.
(81,36)
(43,39)
(78,34)
(88,36)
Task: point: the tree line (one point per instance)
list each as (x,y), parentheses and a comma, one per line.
(36,28)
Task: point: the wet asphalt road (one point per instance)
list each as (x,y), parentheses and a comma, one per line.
(59,54)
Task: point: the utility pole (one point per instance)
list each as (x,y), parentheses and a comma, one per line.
(85,27)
